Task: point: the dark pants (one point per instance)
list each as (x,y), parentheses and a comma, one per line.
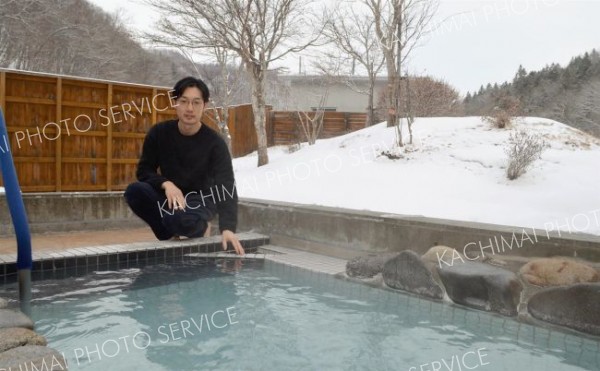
(151,205)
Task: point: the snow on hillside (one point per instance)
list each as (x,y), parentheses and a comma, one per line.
(454,170)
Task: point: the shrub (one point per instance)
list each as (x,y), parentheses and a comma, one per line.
(504,113)
(291,148)
(522,150)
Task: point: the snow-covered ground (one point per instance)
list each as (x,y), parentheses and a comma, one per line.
(454,170)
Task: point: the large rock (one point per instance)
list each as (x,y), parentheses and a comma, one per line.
(367,266)
(32,357)
(15,337)
(408,272)
(482,286)
(558,272)
(437,253)
(12,318)
(576,307)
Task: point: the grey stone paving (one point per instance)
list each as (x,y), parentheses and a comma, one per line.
(304,259)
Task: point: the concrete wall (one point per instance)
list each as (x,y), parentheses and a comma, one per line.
(347,233)
(331,231)
(64,211)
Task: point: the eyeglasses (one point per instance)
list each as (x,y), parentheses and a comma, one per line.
(196,103)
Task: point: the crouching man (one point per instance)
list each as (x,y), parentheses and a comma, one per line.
(185,174)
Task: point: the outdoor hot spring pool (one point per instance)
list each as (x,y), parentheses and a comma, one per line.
(261,315)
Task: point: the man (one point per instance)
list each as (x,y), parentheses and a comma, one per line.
(185,173)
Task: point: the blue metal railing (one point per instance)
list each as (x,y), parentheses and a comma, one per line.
(18,216)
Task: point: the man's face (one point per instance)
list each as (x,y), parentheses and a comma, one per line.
(190,106)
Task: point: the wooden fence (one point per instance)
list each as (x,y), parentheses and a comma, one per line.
(241,128)
(283,126)
(75,134)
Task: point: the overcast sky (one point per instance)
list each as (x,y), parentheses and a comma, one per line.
(473,42)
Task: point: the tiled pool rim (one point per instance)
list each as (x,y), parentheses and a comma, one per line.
(93,257)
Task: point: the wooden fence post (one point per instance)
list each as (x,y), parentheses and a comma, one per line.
(271,139)
(109,142)
(58,150)
(3,91)
(153,109)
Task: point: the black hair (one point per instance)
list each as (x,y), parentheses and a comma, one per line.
(189,82)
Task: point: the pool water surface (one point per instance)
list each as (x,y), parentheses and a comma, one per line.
(261,315)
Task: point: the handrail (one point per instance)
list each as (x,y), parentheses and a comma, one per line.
(18,216)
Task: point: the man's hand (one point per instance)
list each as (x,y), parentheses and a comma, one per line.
(229,236)
(174,196)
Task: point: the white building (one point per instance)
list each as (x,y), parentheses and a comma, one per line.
(305,92)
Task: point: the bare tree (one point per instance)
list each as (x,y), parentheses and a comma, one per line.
(431,97)
(311,123)
(399,25)
(228,82)
(353,32)
(409,112)
(319,86)
(224,94)
(258,31)
(278,91)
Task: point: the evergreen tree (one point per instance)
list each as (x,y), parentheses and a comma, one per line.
(569,94)
(521,74)
(584,67)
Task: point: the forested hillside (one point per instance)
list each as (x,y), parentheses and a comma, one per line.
(75,37)
(569,94)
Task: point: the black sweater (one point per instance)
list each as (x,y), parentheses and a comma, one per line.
(198,163)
